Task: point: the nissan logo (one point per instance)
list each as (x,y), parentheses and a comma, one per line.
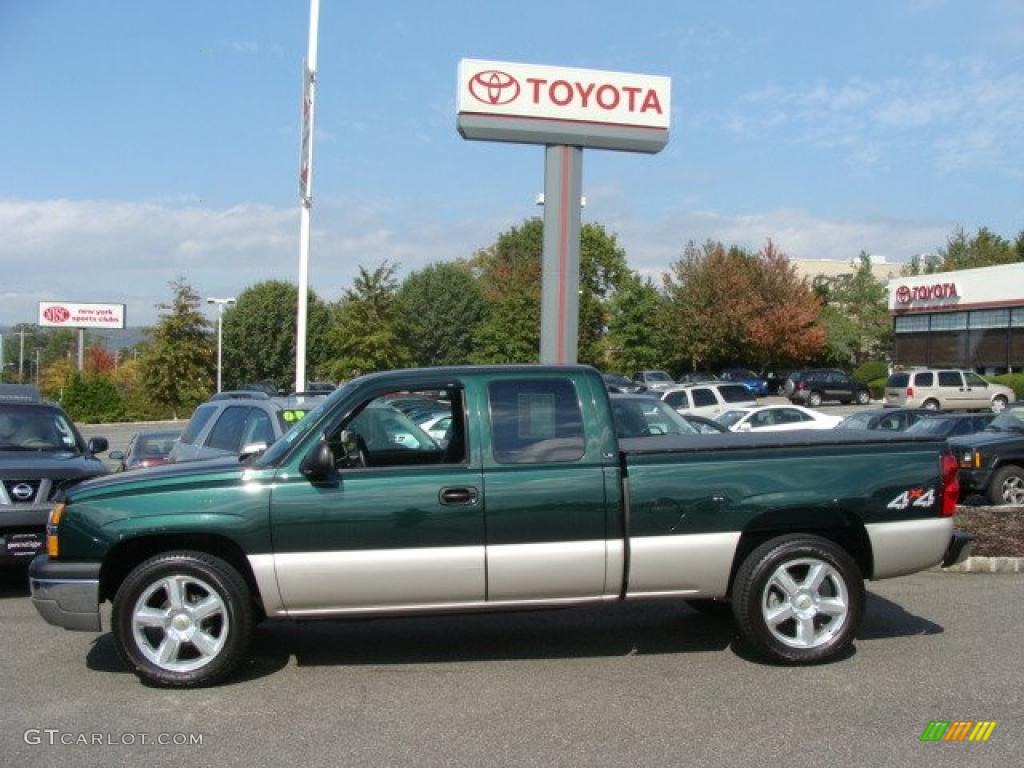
(22,491)
(494,87)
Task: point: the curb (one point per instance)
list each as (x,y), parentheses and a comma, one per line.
(979,564)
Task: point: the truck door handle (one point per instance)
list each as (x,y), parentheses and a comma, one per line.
(458,496)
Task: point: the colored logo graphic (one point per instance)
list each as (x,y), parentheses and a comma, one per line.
(56,314)
(494,87)
(958,730)
(903,294)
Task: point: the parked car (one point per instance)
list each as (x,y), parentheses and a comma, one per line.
(437,427)
(992,461)
(889,419)
(41,454)
(708,400)
(619,384)
(543,506)
(814,386)
(948,425)
(653,379)
(756,384)
(239,422)
(945,390)
(776,418)
(146,449)
(703,425)
(698,377)
(640,416)
(776,378)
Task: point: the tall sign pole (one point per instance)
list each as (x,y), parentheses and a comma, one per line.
(565,110)
(306,192)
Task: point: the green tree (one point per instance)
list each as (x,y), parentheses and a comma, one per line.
(260,335)
(603,273)
(179,361)
(633,343)
(367,334)
(92,399)
(441,307)
(856,315)
(962,251)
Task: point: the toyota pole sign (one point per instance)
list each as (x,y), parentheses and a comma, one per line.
(65,314)
(534,104)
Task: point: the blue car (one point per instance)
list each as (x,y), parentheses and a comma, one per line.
(757,385)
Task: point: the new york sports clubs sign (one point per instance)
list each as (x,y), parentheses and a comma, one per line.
(505,101)
(64,314)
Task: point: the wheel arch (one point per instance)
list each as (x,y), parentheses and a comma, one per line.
(129,553)
(838,526)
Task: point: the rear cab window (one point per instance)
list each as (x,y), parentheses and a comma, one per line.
(535,421)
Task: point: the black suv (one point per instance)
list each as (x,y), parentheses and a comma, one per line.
(992,461)
(41,453)
(813,386)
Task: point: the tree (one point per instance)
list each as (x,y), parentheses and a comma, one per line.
(962,251)
(856,315)
(603,272)
(441,307)
(98,360)
(92,399)
(178,364)
(259,336)
(632,341)
(367,334)
(726,306)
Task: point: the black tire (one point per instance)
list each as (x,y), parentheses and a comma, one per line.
(144,620)
(801,638)
(1006,486)
(930,405)
(814,399)
(998,404)
(863,397)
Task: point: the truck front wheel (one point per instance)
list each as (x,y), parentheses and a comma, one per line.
(798,599)
(182,619)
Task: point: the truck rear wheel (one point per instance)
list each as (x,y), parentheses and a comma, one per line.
(182,619)
(798,599)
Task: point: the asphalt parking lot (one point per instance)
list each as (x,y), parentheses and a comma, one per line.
(651,684)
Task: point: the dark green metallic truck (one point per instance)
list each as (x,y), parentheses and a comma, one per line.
(529,501)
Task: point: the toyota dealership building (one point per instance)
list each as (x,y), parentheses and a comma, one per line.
(973,319)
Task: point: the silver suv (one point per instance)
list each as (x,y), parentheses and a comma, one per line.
(239,422)
(945,390)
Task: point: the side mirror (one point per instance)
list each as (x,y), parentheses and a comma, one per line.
(97,444)
(318,465)
(116,455)
(251,449)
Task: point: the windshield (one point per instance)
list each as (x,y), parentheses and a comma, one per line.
(1010,420)
(934,427)
(36,428)
(728,418)
(855,421)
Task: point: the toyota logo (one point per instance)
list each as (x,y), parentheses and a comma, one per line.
(22,491)
(903,294)
(56,314)
(494,87)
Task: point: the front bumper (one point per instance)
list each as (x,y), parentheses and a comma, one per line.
(958,550)
(66,594)
(22,530)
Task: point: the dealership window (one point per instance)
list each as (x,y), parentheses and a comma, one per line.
(990,318)
(950,321)
(1017,318)
(912,323)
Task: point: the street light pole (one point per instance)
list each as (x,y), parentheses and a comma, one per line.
(221,303)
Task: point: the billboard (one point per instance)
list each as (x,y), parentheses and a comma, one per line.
(535,104)
(66,314)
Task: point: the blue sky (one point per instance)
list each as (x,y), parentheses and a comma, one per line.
(146,140)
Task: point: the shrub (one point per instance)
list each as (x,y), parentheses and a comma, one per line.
(1014,381)
(871,370)
(92,399)
(877,387)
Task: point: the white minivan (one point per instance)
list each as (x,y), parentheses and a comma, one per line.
(945,390)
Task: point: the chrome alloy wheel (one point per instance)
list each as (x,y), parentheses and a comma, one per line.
(180,623)
(805,603)
(1012,490)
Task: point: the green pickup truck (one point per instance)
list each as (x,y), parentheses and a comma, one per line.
(529,501)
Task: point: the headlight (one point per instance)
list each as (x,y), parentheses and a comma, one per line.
(970,459)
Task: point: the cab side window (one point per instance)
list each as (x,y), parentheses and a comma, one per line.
(926,379)
(950,379)
(703,397)
(535,421)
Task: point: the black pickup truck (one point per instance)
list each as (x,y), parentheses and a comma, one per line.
(992,461)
